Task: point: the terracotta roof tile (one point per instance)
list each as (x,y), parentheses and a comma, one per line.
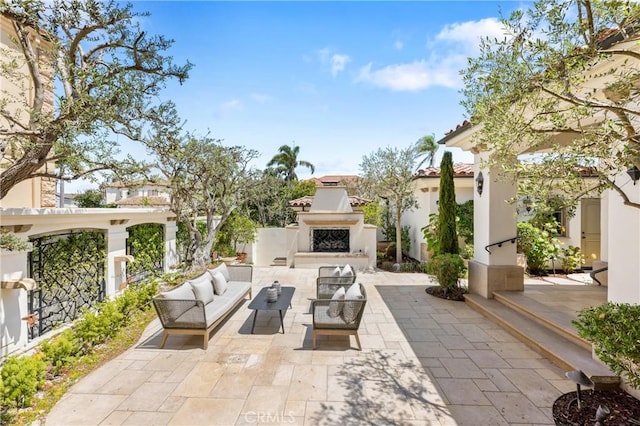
(459,170)
(354,200)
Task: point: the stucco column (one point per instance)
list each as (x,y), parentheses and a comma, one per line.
(170,250)
(494,221)
(623,249)
(116,247)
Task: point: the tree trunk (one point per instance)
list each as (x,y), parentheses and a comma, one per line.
(398,233)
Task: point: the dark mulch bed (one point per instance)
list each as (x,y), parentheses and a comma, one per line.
(456,294)
(624,409)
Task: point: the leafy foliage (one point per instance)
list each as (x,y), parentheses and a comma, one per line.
(572,259)
(537,244)
(426,146)
(11,242)
(286,162)
(90,198)
(110,74)
(614,331)
(61,351)
(146,245)
(448,269)
(447,228)
(562,82)
(236,232)
(20,379)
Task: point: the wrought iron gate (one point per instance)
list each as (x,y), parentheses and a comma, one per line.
(70,272)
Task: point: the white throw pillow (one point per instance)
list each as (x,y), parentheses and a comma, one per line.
(351,310)
(347,271)
(225,272)
(219,283)
(182,292)
(202,288)
(346,274)
(336,272)
(335,309)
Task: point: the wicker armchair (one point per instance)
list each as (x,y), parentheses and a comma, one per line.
(326,281)
(324,324)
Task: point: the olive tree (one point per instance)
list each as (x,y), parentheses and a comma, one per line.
(205,178)
(388,173)
(107,74)
(562,83)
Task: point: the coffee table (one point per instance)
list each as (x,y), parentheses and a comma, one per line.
(259,303)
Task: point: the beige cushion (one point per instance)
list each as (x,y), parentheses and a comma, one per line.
(202,288)
(351,310)
(335,309)
(219,283)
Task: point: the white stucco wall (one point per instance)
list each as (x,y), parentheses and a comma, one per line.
(624,245)
(426,192)
(270,243)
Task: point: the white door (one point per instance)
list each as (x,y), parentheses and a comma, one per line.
(590,211)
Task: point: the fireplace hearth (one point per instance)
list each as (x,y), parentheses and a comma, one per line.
(330,240)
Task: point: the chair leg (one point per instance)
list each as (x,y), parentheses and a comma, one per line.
(358,341)
(164,339)
(313,339)
(206,340)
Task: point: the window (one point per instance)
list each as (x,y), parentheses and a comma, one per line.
(561,218)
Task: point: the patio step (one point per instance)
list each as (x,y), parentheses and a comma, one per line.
(558,322)
(279,261)
(560,350)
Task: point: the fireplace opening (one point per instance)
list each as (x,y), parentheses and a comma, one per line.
(330,240)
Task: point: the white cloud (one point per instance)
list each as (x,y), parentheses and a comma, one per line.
(398,45)
(467,35)
(338,63)
(415,76)
(230,106)
(448,55)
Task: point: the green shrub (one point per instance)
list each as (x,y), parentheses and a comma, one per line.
(614,331)
(60,351)
(448,268)
(97,326)
(21,378)
(11,242)
(572,259)
(537,245)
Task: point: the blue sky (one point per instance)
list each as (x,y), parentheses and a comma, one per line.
(339,79)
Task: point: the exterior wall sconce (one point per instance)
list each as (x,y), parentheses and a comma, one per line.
(634,174)
(479,183)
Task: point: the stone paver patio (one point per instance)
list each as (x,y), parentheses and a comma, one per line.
(425,361)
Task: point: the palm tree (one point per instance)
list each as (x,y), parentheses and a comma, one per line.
(286,162)
(426,146)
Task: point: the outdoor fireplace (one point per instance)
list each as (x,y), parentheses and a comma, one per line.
(330,240)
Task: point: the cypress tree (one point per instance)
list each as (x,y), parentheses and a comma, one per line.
(448,235)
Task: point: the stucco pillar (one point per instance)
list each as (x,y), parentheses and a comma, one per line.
(170,251)
(623,249)
(494,221)
(116,249)
(14,287)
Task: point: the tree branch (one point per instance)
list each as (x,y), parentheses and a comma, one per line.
(34,70)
